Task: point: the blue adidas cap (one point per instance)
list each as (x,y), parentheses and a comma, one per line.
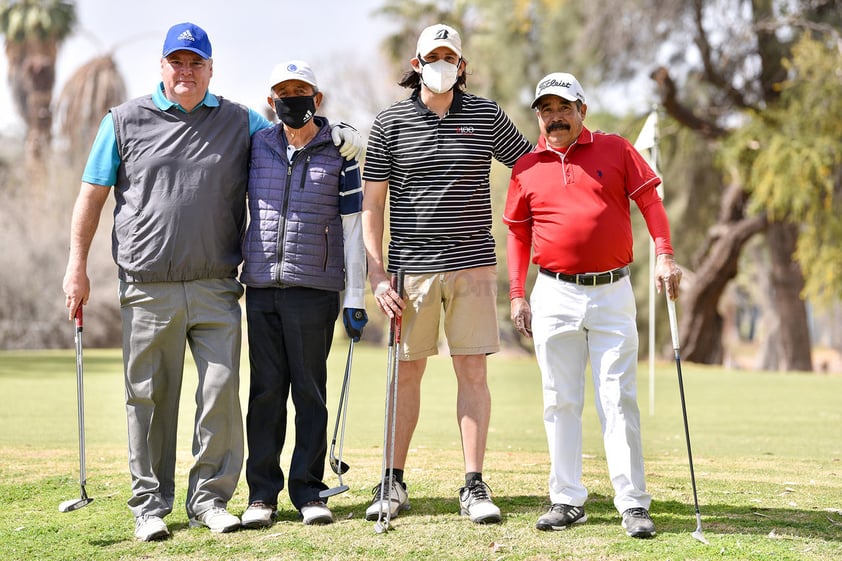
(187,37)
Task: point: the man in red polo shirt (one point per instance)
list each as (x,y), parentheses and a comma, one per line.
(568,203)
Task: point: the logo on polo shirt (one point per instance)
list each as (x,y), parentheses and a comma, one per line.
(466,130)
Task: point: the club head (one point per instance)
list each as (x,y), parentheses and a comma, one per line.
(697,535)
(338,466)
(74,504)
(381,526)
(333,491)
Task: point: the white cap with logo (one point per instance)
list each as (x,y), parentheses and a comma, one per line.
(561,84)
(439,35)
(293,70)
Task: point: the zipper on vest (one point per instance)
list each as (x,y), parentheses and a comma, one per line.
(304,174)
(282,219)
(327,248)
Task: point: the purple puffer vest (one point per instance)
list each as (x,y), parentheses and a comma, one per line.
(294,236)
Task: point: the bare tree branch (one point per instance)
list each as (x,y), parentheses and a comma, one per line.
(668,92)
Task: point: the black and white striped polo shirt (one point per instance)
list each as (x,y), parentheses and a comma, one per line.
(438,173)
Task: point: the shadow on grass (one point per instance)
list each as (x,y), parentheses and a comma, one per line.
(670,517)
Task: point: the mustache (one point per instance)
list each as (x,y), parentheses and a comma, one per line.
(558,125)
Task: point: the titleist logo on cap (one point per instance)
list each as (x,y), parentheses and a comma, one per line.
(553,82)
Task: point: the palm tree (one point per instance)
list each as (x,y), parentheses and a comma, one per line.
(93,89)
(33,30)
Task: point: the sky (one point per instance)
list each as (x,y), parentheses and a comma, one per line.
(248,38)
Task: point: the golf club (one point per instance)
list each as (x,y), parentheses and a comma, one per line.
(697,534)
(84,499)
(336,464)
(383,523)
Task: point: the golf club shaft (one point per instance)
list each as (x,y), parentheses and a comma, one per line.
(390,421)
(336,464)
(343,408)
(676,348)
(80,398)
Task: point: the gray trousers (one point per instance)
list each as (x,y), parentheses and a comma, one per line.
(159,321)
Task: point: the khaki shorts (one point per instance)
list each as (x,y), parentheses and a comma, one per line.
(469,300)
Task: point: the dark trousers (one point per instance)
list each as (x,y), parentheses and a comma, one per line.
(289,332)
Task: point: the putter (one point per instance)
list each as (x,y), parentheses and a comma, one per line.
(383,523)
(697,534)
(336,464)
(84,499)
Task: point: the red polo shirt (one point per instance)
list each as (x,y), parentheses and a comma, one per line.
(572,209)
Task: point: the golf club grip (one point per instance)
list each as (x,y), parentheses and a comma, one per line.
(398,319)
(79,317)
(399,279)
(673,321)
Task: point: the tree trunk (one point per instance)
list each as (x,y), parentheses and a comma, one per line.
(32,74)
(788,346)
(701,324)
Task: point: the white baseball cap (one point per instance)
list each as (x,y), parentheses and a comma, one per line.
(293,70)
(561,84)
(439,35)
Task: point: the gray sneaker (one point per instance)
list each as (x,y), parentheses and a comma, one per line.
(561,516)
(398,500)
(637,523)
(475,501)
(148,528)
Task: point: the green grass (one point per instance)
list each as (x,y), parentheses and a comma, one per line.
(767,450)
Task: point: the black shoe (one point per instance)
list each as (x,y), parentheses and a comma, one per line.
(561,516)
(637,523)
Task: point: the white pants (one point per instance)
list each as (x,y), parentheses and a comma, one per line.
(572,324)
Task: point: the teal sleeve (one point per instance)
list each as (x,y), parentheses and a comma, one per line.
(257,122)
(103,160)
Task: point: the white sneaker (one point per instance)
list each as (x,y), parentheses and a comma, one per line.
(148,528)
(258,515)
(475,501)
(316,512)
(217,519)
(398,500)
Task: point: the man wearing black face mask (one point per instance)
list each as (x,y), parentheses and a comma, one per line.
(303,246)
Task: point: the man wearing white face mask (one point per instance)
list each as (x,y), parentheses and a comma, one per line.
(432,154)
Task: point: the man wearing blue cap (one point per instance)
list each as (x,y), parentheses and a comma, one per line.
(178,162)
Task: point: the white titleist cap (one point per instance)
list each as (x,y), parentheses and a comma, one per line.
(293,70)
(560,84)
(439,35)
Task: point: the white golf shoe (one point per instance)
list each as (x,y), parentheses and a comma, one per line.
(258,515)
(148,528)
(398,500)
(475,501)
(217,519)
(316,512)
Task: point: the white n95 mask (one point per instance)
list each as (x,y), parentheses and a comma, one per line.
(438,76)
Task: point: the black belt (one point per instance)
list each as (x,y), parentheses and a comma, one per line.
(589,279)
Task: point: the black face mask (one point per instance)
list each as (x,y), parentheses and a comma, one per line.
(295,112)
